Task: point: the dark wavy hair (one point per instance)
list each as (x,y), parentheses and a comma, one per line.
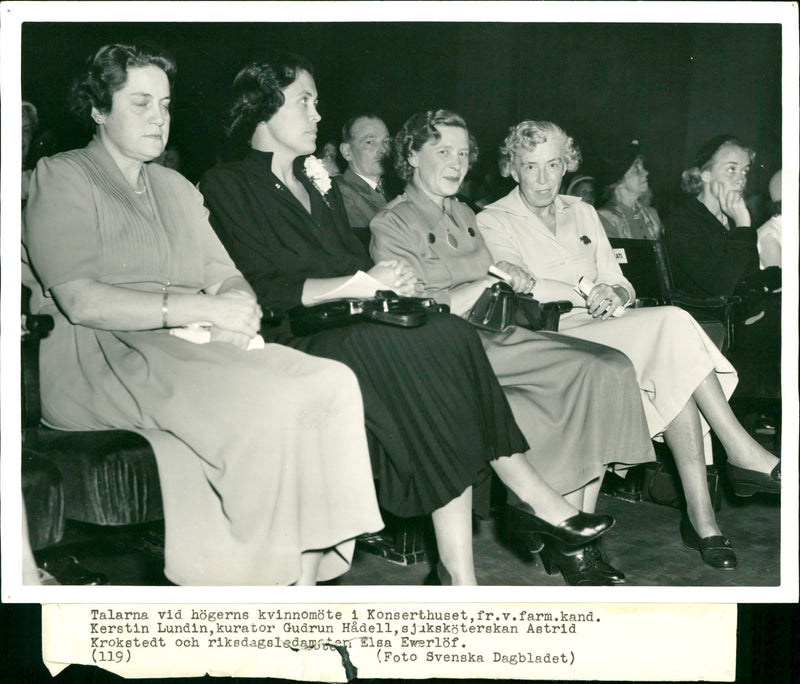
(107,72)
(258,93)
(421,128)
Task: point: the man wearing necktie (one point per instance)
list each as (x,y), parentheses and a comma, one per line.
(365,146)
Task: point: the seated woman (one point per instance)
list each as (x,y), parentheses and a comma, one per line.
(623,215)
(713,247)
(680,372)
(125,255)
(577,403)
(434,411)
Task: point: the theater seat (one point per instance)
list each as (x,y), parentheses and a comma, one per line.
(645,264)
(109,477)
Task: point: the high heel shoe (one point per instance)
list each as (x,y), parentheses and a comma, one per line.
(748,482)
(577,567)
(578,530)
(716,551)
(523,540)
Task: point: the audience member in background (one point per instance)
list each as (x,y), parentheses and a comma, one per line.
(584,187)
(682,375)
(576,402)
(365,144)
(125,257)
(30,122)
(435,413)
(623,214)
(329,160)
(769,235)
(169,158)
(713,247)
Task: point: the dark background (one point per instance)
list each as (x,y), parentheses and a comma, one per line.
(671,86)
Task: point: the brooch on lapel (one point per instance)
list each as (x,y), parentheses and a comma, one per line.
(585,239)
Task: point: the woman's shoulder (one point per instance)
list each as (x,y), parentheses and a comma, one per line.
(165,176)
(225,174)
(401,207)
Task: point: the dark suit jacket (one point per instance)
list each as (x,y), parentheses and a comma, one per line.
(360,200)
(273,240)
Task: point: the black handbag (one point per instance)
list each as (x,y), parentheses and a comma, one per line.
(386,307)
(661,485)
(499,308)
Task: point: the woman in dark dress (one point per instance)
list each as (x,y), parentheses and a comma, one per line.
(435,413)
(713,247)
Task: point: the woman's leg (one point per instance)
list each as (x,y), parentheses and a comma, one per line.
(452,525)
(742,450)
(518,475)
(684,437)
(309,568)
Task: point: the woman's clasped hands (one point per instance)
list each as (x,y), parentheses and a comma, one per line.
(397,276)
(236,317)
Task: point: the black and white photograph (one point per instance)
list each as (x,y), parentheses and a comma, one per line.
(336,303)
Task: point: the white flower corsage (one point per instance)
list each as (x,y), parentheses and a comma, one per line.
(318,174)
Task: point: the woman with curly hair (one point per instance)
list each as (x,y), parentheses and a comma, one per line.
(435,414)
(683,377)
(576,402)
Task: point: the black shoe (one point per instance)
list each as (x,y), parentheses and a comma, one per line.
(716,551)
(578,568)
(578,530)
(67,570)
(526,542)
(602,565)
(748,482)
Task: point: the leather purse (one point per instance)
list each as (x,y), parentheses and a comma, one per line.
(386,307)
(499,308)
(661,485)
(495,310)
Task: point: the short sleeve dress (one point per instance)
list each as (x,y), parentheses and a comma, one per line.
(279,434)
(434,411)
(566,395)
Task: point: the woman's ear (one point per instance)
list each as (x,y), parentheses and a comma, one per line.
(413,159)
(514,175)
(97,116)
(705,176)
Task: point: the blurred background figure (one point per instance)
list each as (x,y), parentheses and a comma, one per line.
(170,158)
(583,186)
(30,123)
(625,182)
(769,235)
(329,160)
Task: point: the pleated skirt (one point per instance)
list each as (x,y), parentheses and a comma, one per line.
(434,410)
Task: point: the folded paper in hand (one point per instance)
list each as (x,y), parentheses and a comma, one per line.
(360,285)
